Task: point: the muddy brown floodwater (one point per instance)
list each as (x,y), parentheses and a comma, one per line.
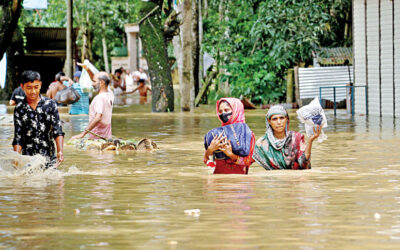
(349,199)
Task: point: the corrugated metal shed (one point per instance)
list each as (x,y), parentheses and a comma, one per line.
(310,79)
(373,51)
(386,58)
(359,55)
(377,55)
(335,56)
(46,41)
(396,41)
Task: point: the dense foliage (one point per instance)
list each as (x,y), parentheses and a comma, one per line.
(88,17)
(255,42)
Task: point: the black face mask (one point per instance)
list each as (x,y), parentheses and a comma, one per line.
(225,117)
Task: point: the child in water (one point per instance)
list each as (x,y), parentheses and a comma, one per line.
(143,89)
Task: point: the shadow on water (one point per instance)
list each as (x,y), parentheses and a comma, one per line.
(137,200)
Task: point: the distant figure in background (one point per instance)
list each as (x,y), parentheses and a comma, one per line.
(118,82)
(18,95)
(129,81)
(143,89)
(58,85)
(140,74)
(80,107)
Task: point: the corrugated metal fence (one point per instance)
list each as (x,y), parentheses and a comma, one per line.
(310,79)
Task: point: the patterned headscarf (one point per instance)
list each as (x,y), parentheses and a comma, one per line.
(237,110)
(276,110)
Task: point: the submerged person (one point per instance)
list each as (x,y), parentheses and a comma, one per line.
(118,81)
(142,88)
(81,107)
(230,111)
(100,110)
(57,85)
(37,122)
(280,148)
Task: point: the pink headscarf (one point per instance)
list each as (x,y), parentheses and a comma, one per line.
(237,110)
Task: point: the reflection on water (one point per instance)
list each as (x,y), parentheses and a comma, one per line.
(350,199)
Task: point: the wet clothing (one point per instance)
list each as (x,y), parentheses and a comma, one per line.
(102,104)
(34,130)
(18,95)
(242,164)
(287,153)
(290,156)
(82,106)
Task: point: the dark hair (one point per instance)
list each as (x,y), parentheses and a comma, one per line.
(29,76)
(118,71)
(141,80)
(105,78)
(59,75)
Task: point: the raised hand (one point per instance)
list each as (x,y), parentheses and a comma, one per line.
(317,131)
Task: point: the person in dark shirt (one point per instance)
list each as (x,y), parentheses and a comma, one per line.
(18,95)
(37,123)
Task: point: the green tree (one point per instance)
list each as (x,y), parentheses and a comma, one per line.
(257,41)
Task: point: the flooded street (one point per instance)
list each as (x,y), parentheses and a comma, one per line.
(349,199)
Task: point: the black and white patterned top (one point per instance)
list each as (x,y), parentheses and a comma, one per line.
(34,130)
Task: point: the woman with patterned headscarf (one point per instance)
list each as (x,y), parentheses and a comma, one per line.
(231,146)
(280,148)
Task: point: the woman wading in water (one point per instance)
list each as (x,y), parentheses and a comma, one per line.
(231,145)
(280,148)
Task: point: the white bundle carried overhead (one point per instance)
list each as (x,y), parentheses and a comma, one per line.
(84,80)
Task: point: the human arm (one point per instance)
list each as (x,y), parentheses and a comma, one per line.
(91,75)
(317,132)
(13,100)
(49,93)
(149,89)
(66,78)
(130,92)
(58,134)
(59,145)
(18,140)
(90,126)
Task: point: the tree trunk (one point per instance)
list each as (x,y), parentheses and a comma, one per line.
(87,40)
(200,41)
(187,84)
(14,54)
(69,61)
(196,47)
(155,51)
(10,12)
(105,54)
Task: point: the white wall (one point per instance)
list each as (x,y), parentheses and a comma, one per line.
(377,56)
(359,55)
(397,56)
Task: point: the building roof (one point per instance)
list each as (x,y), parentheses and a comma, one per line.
(335,56)
(47,41)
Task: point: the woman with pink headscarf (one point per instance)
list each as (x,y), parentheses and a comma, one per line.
(231,146)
